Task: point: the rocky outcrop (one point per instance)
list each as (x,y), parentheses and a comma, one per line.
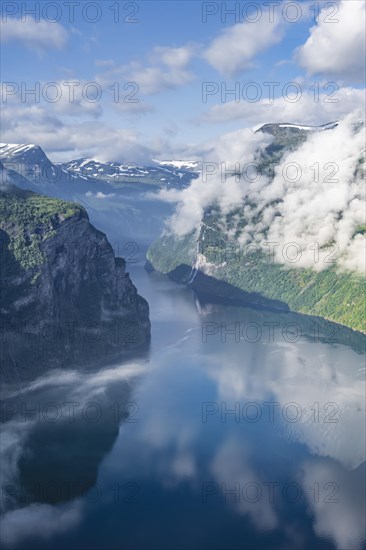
(65,297)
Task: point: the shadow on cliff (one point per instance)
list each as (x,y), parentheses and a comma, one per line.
(31,344)
(211,291)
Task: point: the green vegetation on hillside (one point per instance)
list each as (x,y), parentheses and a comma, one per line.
(170,252)
(29,219)
(334,295)
(330,293)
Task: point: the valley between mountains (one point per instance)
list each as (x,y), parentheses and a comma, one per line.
(59,269)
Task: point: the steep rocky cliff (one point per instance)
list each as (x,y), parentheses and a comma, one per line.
(65,298)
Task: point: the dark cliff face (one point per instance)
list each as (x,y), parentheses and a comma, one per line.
(65,297)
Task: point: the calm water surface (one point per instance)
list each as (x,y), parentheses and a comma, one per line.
(237,431)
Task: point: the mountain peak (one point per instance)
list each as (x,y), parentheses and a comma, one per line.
(17,152)
(270,126)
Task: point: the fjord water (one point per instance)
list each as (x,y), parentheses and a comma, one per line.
(181,471)
(239,429)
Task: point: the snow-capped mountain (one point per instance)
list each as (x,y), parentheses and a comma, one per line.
(286,137)
(28,167)
(271,126)
(22,152)
(114,194)
(18,157)
(120,175)
(192,165)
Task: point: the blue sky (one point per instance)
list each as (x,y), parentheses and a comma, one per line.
(169,53)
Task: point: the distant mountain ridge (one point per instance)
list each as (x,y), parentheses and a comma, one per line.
(33,170)
(28,166)
(136,215)
(120,175)
(268,126)
(191,165)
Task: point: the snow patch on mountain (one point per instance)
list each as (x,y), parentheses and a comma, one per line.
(20,150)
(187,164)
(328,126)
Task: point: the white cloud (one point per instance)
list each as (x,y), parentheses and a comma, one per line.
(41,35)
(41,520)
(339,514)
(75,97)
(155,79)
(173,57)
(100,195)
(337,48)
(13,437)
(200,194)
(19,525)
(234,50)
(168,70)
(90,139)
(306,110)
(322,208)
(323,377)
(232,467)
